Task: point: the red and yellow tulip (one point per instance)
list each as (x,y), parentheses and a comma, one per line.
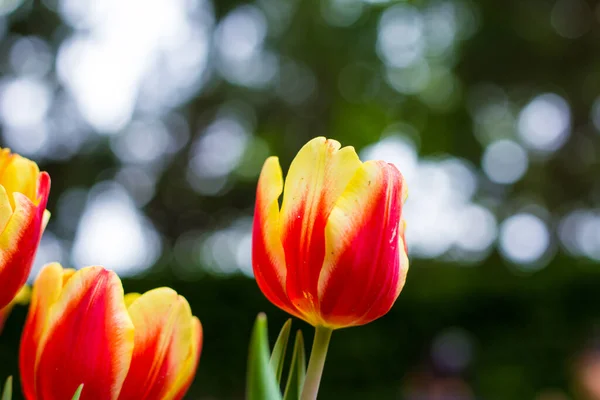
(23,196)
(334,253)
(81,329)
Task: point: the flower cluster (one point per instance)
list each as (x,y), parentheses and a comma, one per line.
(332,253)
(81,328)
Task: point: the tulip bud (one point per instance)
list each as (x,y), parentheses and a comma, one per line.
(334,253)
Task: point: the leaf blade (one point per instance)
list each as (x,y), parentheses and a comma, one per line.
(78,392)
(295,382)
(279,349)
(261,383)
(7,392)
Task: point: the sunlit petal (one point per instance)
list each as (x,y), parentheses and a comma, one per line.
(88,339)
(317,177)
(188,370)
(20,238)
(267,251)
(46,291)
(362,272)
(164,333)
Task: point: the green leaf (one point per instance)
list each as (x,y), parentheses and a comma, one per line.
(278,354)
(7,393)
(261,383)
(78,392)
(295,382)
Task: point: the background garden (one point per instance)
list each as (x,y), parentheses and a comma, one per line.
(154,117)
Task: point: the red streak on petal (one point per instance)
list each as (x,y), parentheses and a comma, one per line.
(157,358)
(363,285)
(27,355)
(264,267)
(305,252)
(265,271)
(139,385)
(83,345)
(16,261)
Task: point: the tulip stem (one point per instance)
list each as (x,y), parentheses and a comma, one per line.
(316,363)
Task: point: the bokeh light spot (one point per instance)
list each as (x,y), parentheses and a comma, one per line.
(113,233)
(504,161)
(400,39)
(544,124)
(524,238)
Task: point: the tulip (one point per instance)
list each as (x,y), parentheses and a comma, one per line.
(334,254)
(81,329)
(23,216)
(21,298)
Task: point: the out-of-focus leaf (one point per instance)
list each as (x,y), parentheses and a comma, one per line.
(295,381)
(279,350)
(7,392)
(261,383)
(78,392)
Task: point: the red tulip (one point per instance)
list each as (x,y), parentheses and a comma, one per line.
(334,253)
(81,329)
(23,196)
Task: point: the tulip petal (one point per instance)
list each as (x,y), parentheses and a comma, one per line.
(317,177)
(188,370)
(23,297)
(5,208)
(130,298)
(20,239)
(5,158)
(88,339)
(43,190)
(46,291)
(163,336)
(404,263)
(362,274)
(18,243)
(45,220)
(20,175)
(268,258)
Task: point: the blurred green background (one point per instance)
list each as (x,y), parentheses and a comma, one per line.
(154,118)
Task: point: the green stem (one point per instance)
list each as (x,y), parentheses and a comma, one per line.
(316,363)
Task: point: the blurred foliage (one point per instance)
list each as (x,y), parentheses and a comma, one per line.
(484,328)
